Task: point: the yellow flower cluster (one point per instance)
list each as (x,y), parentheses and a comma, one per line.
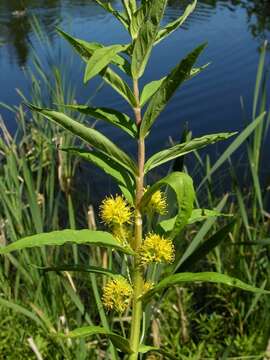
(148,285)
(122,234)
(116,294)
(115,211)
(156,248)
(157,203)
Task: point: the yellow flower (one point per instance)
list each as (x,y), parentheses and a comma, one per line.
(148,285)
(122,233)
(115,211)
(156,248)
(157,203)
(116,294)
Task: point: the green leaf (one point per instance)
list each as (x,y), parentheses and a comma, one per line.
(174,25)
(212,277)
(197,215)
(91,136)
(199,237)
(168,87)
(207,246)
(86,50)
(138,19)
(149,90)
(182,185)
(243,135)
(117,340)
(143,349)
(21,310)
(111,116)
(183,149)
(119,85)
(146,37)
(80,268)
(58,238)
(119,16)
(130,8)
(100,59)
(110,167)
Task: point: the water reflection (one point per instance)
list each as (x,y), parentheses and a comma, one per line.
(16,15)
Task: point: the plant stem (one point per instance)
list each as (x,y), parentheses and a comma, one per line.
(137,277)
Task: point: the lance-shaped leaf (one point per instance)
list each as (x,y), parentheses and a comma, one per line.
(174,25)
(91,136)
(80,268)
(146,37)
(58,238)
(85,50)
(182,185)
(100,59)
(119,85)
(130,7)
(168,88)
(149,90)
(197,215)
(138,19)
(143,349)
(111,116)
(207,246)
(183,149)
(110,167)
(212,277)
(117,340)
(119,16)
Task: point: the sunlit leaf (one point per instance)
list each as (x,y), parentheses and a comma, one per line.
(100,59)
(212,277)
(110,167)
(58,238)
(146,37)
(174,25)
(149,90)
(182,185)
(111,116)
(91,136)
(183,149)
(119,16)
(168,87)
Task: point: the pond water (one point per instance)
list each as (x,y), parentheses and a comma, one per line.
(234,30)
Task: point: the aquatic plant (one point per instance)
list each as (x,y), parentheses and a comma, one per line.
(143,257)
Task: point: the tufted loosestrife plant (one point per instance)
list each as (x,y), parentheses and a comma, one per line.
(143,226)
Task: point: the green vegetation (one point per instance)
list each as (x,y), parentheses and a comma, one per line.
(48,292)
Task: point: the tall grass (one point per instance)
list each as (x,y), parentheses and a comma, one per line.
(36,186)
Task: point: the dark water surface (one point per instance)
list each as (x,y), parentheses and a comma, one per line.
(234,29)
